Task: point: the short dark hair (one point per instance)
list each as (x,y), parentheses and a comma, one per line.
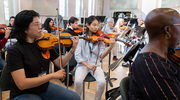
(10,20)
(21,23)
(46,24)
(73,19)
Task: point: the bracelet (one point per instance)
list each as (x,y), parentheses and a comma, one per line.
(71,52)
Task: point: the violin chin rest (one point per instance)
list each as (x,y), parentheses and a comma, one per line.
(42,35)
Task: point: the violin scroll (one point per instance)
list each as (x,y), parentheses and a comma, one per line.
(55,28)
(79,30)
(106,38)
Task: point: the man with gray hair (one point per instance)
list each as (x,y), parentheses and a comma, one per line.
(108,28)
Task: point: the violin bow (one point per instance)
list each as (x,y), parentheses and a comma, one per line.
(60,55)
(98,53)
(84,21)
(99,50)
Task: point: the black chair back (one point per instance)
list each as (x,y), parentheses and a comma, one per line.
(5,80)
(124,88)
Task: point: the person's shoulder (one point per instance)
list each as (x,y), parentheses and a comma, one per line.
(142,56)
(150,56)
(15,47)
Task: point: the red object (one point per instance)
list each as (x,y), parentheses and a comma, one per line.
(174,56)
(55,28)
(3,42)
(49,41)
(2,30)
(106,38)
(79,30)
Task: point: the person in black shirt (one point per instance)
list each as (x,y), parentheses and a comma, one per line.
(73,24)
(29,65)
(154,75)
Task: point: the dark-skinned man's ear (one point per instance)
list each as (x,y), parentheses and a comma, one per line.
(166,29)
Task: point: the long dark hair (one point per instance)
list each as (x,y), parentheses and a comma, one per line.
(89,21)
(21,23)
(46,24)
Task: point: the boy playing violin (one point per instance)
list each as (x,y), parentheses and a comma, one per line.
(73,24)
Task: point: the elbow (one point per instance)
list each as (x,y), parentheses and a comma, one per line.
(21,86)
(101,56)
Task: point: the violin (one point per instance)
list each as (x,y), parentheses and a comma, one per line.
(79,30)
(174,56)
(106,38)
(55,28)
(49,41)
(123,27)
(2,30)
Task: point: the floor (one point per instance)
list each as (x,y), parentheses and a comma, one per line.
(118,73)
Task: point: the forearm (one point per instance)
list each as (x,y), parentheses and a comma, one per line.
(34,82)
(25,83)
(106,52)
(84,63)
(67,57)
(3,42)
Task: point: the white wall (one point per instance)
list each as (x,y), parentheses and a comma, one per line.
(48,7)
(144,6)
(43,7)
(2,17)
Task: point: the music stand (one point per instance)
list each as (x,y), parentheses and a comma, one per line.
(127,31)
(141,31)
(130,33)
(108,79)
(128,56)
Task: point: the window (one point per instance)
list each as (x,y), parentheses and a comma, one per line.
(6,10)
(123,4)
(170,3)
(63,7)
(78,8)
(91,4)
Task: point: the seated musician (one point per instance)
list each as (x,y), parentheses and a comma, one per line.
(154,76)
(108,28)
(72,24)
(2,44)
(140,24)
(86,57)
(120,28)
(11,39)
(29,66)
(48,23)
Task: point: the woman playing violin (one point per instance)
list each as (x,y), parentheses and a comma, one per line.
(154,76)
(86,56)
(29,68)
(119,27)
(47,26)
